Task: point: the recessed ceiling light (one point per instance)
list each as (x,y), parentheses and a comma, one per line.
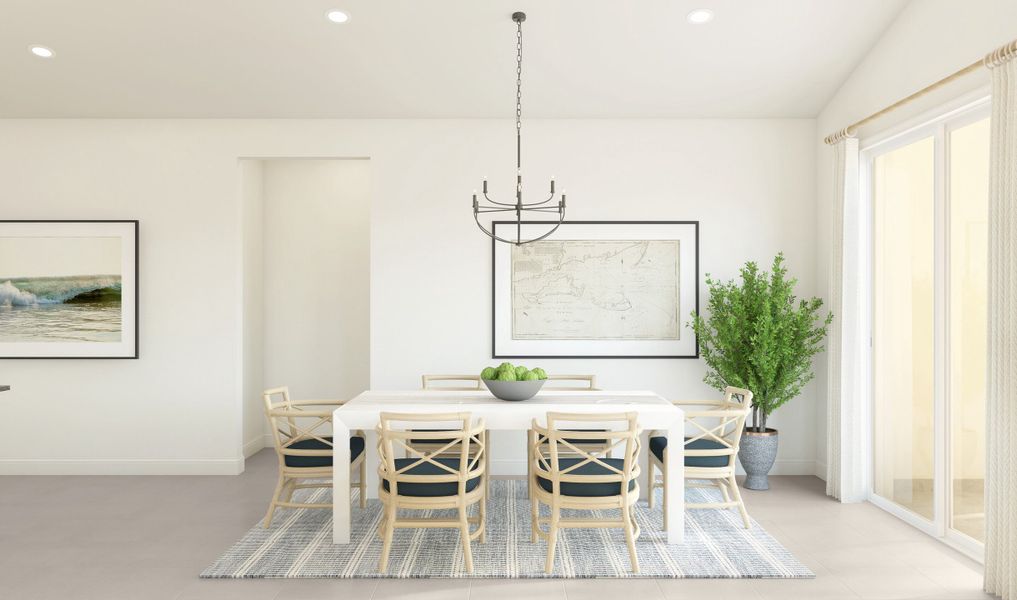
(41,51)
(337,16)
(700,16)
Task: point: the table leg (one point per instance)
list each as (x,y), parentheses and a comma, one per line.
(371,457)
(341,482)
(676,483)
(644,464)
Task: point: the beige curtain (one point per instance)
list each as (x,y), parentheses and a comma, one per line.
(844,470)
(1001,396)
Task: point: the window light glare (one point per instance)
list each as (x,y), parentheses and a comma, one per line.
(41,51)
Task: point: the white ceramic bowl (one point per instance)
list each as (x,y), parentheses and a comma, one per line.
(514,390)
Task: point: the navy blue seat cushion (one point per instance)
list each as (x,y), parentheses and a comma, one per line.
(591,468)
(356,449)
(657,445)
(441,488)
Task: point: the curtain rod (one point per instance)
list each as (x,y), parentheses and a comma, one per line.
(995,58)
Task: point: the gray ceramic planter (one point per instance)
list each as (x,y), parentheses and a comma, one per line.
(757,453)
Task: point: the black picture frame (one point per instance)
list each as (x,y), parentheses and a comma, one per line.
(137,287)
(494,277)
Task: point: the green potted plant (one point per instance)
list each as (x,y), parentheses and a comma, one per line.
(759,336)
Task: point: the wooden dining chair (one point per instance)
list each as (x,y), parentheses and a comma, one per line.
(575,383)
(710,450)
(445,382)
(464,383)
(302,434)
(567,476)
(452,476)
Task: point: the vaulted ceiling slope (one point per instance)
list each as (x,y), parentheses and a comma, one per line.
(430,59)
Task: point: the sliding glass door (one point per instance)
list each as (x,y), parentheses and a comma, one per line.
(903,315)
(928,192)
(968,235)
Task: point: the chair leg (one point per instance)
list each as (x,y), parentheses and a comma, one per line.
(534,503)
(722,484)
(275,499)
(741,503)
(630,537)
(530,439)
(363,483)
(387,535)
(534,518)
(487,463)
(552,539)
(666,488)
(289,488)
(482,511)
(464,533)
(649,482)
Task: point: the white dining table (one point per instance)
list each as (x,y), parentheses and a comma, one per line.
(655,413)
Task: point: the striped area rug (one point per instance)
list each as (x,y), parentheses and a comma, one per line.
(299,545)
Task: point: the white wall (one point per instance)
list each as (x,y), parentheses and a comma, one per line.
(179,408)
(431,271)
(176,409)
(929,40)
(317,276)
(306,262)
(253,329)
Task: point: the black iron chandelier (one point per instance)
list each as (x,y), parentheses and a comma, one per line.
(519,207)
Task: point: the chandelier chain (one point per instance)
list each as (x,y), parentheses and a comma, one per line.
(519,92)
(518,207)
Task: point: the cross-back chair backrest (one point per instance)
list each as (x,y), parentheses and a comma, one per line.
(718,421)
(450,382)
(572,382)
(435,439)
(561,439)
(293,422)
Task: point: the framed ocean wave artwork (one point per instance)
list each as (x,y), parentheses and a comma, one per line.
(596,289)
(68,289)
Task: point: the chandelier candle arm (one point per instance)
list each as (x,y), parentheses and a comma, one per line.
(519,207)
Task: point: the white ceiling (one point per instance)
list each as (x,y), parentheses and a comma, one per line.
(437,58)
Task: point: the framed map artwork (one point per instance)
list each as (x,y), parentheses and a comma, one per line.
(597,289)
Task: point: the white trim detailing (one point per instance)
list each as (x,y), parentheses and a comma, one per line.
(253,445)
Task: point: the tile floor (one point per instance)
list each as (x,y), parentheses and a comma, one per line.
(143,538)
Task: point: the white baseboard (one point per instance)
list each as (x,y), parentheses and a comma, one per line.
(787,466)
(254,444)
(121,466)
(821,470)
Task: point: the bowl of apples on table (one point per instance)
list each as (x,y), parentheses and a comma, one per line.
(509,382)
